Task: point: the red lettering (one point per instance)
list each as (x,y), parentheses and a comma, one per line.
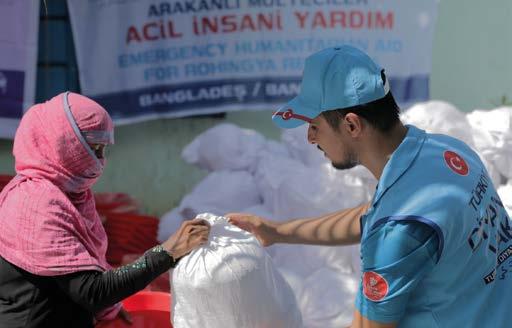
(302,18)
(146,31)
(229,23)
(338,17)
(266,21)
(356,19)
(172,32)
(247,23)
(319,20)
(210,25)
(132,35)
(384,22)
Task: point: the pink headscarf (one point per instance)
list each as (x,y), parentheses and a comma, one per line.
(49,224)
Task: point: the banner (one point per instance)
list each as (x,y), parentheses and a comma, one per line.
(19,23)
(146,59)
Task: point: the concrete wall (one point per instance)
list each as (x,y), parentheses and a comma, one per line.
(472,54)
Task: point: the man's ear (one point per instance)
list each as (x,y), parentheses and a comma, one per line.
(353,124)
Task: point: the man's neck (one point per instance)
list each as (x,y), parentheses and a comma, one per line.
(381,147)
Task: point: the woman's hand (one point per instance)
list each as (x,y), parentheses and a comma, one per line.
(189,236)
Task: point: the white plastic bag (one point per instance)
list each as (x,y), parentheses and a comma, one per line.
(224,147)
(440,117)
(327,299)
(493,137)
(296,141)
(221,192)
(505,193)
(231,282)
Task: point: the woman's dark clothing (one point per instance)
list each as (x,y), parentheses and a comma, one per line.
(71,300)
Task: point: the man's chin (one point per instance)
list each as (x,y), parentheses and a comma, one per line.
(343,166)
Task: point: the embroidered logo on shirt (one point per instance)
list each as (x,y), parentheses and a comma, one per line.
(456,163)
(375,287)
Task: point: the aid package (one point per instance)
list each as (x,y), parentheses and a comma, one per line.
(231,282)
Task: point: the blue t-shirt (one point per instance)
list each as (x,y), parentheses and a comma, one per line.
(458,276)
(402,253)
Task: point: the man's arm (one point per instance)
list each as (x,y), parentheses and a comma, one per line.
(338,228)
(362,322)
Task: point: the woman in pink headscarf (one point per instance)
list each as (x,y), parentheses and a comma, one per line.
(53,271)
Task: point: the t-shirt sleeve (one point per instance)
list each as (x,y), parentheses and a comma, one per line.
(395,258)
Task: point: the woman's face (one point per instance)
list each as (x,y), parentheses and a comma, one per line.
(98,149)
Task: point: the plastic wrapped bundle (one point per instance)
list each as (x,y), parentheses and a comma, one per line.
(224,147)
(440,117)
(300,149)
(231,282)
(327,299)
(221,192)
(493,137)
(505,193)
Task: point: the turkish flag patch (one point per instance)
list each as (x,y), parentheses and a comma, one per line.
(375,287)
(456,163)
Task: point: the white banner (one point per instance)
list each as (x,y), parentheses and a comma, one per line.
(144,59)
(19,23)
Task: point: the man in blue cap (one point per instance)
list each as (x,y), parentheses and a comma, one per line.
(436,241)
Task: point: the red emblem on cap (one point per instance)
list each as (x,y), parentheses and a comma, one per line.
(456,163)
(289,114)
(375,287)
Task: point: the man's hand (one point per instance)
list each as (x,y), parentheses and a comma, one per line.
(264,230)
(189,236)
(338,228)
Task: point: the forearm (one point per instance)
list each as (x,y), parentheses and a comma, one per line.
(338,228)
(95,290)
(361,322)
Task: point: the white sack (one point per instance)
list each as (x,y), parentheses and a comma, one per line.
(224,147)
(221,192)
(505,193)
(296,141)
(314,191)
(270,172)
(276,149)
(327,299)
(231,282)
(493,137)
(440,117)
(304,260)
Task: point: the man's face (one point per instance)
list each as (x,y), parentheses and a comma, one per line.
(335,144)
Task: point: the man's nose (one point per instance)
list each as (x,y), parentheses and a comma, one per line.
(311,136)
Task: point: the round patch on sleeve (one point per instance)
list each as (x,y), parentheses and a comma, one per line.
(456,163)
(375,287)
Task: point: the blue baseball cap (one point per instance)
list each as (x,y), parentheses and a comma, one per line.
(333,78)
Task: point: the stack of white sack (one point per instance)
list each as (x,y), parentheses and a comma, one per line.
(505,192)
(493,137)
(291,179)
(488,132)
(282,180)
(231,282)
(442,117)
